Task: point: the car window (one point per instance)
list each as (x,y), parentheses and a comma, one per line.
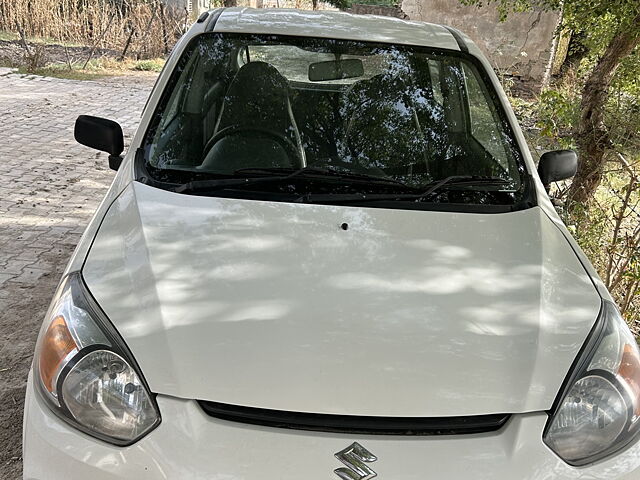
(485,126)
(293,62)
(409,115)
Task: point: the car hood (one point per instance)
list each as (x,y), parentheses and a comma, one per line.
(405,313)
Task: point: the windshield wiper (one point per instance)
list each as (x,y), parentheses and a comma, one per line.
(323,172)
(431,188)
(273,175)
(470,180)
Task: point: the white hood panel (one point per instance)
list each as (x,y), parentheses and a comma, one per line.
(406,313)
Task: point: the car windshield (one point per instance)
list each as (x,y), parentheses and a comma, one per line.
(333,120)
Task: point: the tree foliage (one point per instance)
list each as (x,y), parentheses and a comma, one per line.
(599,19)
(609,31)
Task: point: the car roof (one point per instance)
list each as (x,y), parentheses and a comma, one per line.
(333,24)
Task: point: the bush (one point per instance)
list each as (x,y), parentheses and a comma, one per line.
(149,65)
(557,113)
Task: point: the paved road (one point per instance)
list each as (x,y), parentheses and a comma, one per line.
(49,188)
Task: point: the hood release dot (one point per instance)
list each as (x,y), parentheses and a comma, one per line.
(344,226)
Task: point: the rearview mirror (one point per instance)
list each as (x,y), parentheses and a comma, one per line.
(557,165)
(101,134)
(336,69)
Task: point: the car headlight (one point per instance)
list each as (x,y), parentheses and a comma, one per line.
(86,374)
(598,412)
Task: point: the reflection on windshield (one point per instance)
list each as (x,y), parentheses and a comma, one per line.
(414,115)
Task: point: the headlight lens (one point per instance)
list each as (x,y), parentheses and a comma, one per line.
(599,411)
(85,372)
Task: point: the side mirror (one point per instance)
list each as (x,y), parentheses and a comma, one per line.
(557,165)
(101,134)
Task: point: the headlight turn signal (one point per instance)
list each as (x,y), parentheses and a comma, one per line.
(86,374)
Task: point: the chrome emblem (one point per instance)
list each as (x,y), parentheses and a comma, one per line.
(355,457)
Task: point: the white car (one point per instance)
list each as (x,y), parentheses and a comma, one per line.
(328,254)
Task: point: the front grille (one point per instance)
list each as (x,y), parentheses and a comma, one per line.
(356,424)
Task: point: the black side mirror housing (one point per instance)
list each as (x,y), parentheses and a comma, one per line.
(557,165)
(101,134)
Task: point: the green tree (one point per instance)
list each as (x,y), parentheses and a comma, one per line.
(609,30)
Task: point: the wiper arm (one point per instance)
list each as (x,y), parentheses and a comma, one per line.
(323,172)
(275,175)
(463,180)
(376,197)
(221,184)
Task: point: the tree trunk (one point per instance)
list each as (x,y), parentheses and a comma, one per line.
(230,3)
(165,38)
(593,138)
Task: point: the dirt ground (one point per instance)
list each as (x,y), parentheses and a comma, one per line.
(24,309)
(49,189)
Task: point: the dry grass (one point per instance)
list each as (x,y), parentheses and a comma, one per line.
(95,69)
(145,29)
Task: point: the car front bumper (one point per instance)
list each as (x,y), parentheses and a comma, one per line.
(188,444)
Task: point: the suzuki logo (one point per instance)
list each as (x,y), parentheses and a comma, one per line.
(355,457)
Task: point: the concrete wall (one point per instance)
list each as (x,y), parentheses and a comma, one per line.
(377,10)
(521,46)
(193,7)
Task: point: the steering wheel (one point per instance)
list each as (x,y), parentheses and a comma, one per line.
(289,147)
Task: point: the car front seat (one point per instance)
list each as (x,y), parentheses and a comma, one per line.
(256,127)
